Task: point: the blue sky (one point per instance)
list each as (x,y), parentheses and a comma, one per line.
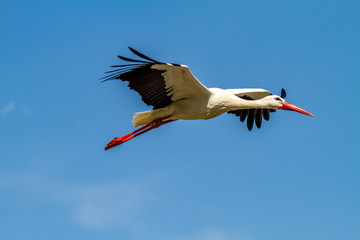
(295,178)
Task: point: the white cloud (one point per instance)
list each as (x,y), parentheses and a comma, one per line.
(7,108)
(98,205)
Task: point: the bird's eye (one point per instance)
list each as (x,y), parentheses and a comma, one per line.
(278,99)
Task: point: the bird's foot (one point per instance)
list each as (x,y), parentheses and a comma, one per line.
(115,142)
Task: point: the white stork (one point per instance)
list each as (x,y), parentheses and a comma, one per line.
(175,93)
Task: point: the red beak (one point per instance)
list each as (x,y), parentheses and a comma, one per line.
(292,107)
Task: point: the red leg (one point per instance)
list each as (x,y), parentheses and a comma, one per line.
(154,124)
(146,130)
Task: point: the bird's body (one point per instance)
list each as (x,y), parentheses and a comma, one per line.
(206,106)
(176,94)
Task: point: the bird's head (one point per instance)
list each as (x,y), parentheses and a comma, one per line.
(277,102)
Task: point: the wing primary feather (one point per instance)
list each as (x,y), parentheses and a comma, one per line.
(243,114)
(131,60)
(250,120)
(121,69)
(125,65)
(143,56)
(114,75)
(258,117)
(266,114)
(109,77)
(116,70)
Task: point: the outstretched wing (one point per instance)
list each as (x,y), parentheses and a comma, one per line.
(158,84)
(252,115)
(253,93)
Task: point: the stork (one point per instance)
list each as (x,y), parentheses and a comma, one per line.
(175,93)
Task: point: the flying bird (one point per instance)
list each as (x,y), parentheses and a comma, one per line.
(175,93)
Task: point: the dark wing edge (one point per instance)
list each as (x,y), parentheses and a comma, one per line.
(133,64)
(142,78)
(252,115)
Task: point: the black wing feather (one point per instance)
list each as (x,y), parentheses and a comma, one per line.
(258,117)
(243,114)
(148,82)
(131,60)
(266,114)
(252,115)
(250,120)
(143,56)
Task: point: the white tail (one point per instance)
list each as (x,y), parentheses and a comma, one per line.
(142,118)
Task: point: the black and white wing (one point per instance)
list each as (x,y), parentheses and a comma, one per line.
(159,84)
(252,115)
